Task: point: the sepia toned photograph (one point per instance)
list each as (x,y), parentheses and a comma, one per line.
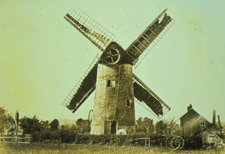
(94,76)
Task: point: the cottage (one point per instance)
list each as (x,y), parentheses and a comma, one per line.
(193,124)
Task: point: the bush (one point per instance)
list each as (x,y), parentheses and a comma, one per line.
(66,136)
(192,142)
(63,136)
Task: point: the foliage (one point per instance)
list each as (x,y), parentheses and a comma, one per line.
(160,128)
(82,124)
(66,127)
(31,125)
(38,148)
(167,127)
(62,136)
(223,128)
(145,125)
(54,124)
(62,127)
(2,119)
(6,121)
(172,128)
(73,127)
(10,123)
(192,142)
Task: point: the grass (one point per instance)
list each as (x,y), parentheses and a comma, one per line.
(49,148)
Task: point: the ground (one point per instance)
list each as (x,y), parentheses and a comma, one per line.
(35,148)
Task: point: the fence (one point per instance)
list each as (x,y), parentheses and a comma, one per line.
(16,139)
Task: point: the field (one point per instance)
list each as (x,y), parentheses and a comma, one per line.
(49,148)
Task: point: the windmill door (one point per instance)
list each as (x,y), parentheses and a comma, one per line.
(113,127)
(110,127)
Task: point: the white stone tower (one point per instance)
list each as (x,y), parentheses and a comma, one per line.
(114,99)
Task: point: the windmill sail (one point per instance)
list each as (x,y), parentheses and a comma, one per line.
(83,89)
(91,29)
(150,37)
(148,99)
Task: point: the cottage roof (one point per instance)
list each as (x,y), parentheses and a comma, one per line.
(189,112)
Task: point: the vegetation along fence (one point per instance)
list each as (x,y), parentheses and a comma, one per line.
(16,139)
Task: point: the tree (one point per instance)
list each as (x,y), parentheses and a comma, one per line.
(160,127)
(30,125)
(145,125)
(66,126)
(73,127)
(2,119)
(62,127)
(140,126)
(45,125)
(139,121)
(172,128)
(79,122)
(83,125)
(10,123)
(148,124)
(54,124)
(223,128)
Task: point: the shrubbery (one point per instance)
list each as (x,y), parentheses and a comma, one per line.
(66,136)
(192,142)
(63,136)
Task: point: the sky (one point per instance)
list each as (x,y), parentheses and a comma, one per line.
(42,56)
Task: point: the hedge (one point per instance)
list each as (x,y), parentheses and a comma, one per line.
(65,136)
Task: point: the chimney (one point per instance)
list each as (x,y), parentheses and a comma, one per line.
(219,125)
(214,117)
(189,107)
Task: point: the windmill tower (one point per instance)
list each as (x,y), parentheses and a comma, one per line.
(110,75)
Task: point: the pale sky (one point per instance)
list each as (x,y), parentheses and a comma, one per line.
(42,56)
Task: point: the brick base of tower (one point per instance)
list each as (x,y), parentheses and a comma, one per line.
(114,99)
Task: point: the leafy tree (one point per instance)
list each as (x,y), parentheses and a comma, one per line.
(223,128)
(145,125)
(139,121)
(73,127)
(54,124)
(30,125)
(82,124)
(172,128)
(160,127)
(45,124)
(140,126)
(79,122)
(66,126)
(148,124)
(10,123)
(2,119)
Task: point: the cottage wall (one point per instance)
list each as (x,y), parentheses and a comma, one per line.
(199,124)
(187,120)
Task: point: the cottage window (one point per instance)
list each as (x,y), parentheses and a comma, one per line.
(202,123)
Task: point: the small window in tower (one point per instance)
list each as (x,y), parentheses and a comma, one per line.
(108,83)
(113,83)
(128,103)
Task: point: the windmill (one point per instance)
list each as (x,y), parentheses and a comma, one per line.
(110,75)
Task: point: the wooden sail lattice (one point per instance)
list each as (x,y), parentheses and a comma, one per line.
(146,41)
(148,99)
(90,28)
(80,89)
